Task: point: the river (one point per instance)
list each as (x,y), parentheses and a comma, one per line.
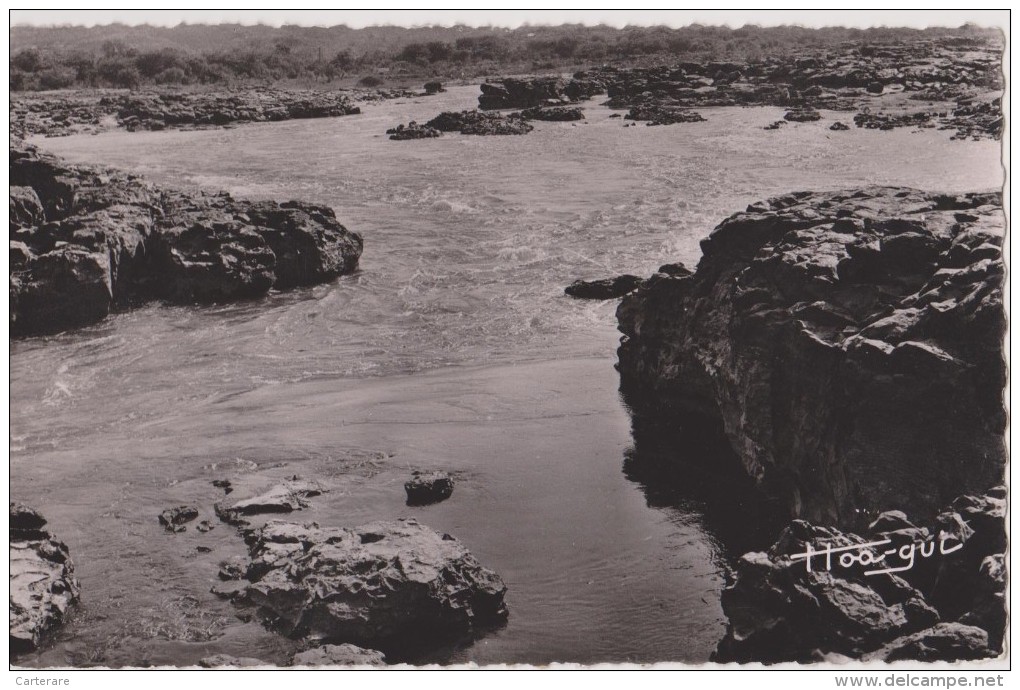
(453,347)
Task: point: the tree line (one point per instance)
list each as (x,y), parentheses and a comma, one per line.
(127,60)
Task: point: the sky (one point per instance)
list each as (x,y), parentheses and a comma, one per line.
(515,18)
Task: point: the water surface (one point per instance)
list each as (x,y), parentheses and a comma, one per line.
(452,348)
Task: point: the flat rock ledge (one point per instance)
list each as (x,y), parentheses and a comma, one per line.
(378,585)
(848,347)
(85,241)
(43,586)
(945,602)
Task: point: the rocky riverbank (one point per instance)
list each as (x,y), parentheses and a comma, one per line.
(950,84)
(847,350)
(847,345)
(42,584)
(59,113)
(87,241)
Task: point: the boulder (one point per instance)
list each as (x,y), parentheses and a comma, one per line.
(525,92)
(606,288)
(942,642)
(66,288)
(175,519)
(25,210)
(42,583)
(847,345)
(553,114)
(428,487)
(803,115)
(282,498)
(339,655)
(374,585)
(309,243)
(781,610)
(662,115)
(413,131)
(839,127)
(432,87)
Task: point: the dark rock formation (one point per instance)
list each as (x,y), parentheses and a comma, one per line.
(775,125)
(92,240)
(175,519)
(778,610)
(412,131)
(375,585)
(802,115)
(607,288)
(945,602)
(432,87)
(942,642)
(839,127)
(849,345)
(662,115)
(475,122)
(553,114)
(522,93)
(339,655)
(157,111)
(428,487)
(883,121)
(42,583)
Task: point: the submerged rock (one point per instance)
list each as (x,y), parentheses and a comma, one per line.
(42,583)
(607,288)
(339,655)
(847,344)
(428,487)
(373,585)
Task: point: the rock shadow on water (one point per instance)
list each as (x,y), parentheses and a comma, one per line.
(690,466)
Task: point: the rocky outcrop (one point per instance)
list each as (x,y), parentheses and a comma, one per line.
(606,288)
(802,115)
(42,583)
(377,585)
(662,115)
(848,78)
(412,131)
(176,519)
(553,114)
(475,122)
(425,488)
(931,593)
(85,241)
(339,655)
(156,111)
(282,498)
(432,87)
(848,345)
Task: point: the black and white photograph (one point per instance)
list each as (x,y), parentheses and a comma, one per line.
(505,339)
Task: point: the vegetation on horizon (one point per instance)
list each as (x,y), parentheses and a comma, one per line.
(122,56)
